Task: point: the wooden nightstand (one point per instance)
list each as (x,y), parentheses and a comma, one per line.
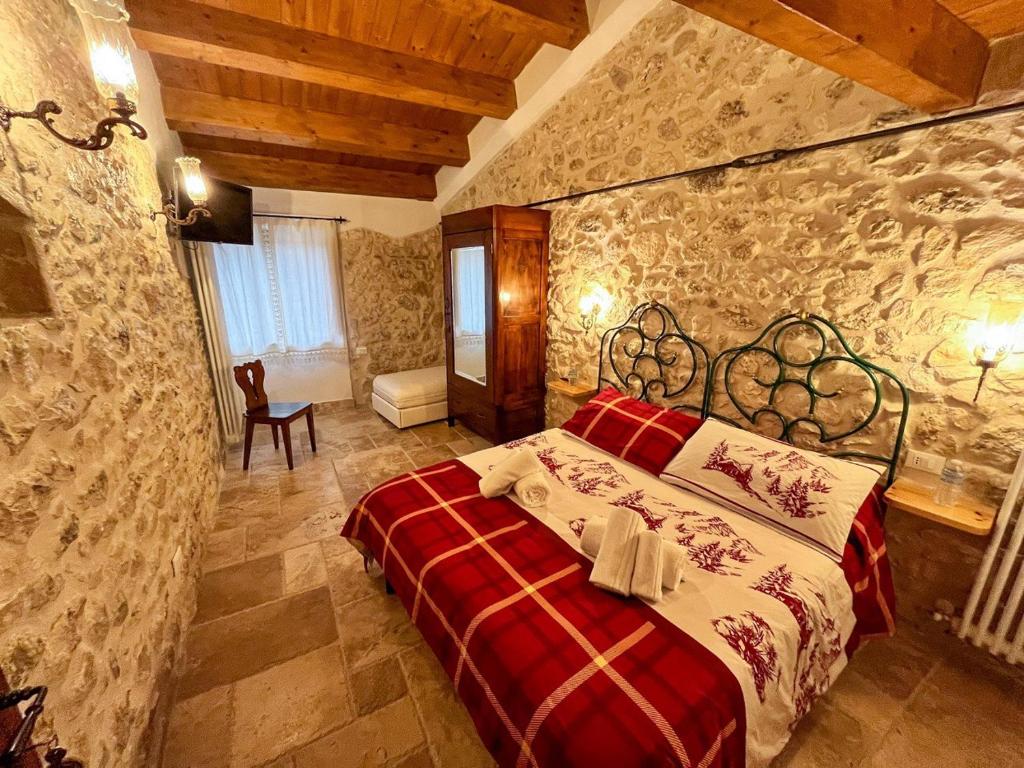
(575,391)
(968,514)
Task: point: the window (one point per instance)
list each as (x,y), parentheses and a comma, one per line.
(281,296)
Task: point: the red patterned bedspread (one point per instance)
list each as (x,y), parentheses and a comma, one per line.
(553,671)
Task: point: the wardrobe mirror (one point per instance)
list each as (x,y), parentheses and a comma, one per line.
(469,309)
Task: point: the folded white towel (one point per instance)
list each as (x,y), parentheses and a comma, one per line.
(533,489)
(504,474)
(671,565)
(613,569)
(647,570)
(593,532)
(672,560)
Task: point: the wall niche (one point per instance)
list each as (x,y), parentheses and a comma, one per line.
(23,289)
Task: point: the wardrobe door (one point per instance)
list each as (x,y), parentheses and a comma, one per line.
(521,257)
(469,329)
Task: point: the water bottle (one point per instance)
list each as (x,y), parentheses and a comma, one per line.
(951,483)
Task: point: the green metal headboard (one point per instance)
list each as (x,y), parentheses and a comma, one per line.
(644,343)
(801,374)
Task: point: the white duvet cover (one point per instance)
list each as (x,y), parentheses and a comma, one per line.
(776,612)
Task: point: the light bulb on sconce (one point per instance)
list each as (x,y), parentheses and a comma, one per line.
(594,304)
(504,297)
(110,58)
(195,189)
(991,340)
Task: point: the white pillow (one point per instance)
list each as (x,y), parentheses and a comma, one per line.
(808,496)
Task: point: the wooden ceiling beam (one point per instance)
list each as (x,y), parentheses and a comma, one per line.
(200,32)
(248,120)
(280,173)
(560,22)
(916,51)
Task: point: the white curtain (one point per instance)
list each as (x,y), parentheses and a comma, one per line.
(281,295)
(280,300)
(468,284)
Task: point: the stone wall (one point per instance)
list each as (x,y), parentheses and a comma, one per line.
(901,242)
(394,303)
(108,443)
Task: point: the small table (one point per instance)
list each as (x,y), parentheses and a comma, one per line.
(968,514)
(575,391)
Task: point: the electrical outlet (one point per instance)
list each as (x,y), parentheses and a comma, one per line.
(925,462)
(360,351)
(178,562)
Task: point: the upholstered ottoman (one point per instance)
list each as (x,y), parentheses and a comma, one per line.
(411,397)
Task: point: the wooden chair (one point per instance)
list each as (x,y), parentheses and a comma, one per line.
(258,410)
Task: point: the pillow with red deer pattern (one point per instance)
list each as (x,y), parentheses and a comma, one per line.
(808,496)
(645,435)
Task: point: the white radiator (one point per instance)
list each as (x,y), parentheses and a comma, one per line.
(997,623)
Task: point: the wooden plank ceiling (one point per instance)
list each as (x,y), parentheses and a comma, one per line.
(357,96)
(930,54)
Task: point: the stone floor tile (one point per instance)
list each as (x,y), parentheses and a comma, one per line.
(197,730)
(377,685)
(462,446)
(374,466)
(238,587)
(967,716)
(424,457)
(881,678)
(306,502)
(288,705)
(304,568)
(347,579)
(226,650)
(827,737)
(419,759)
(403,438)
(374,628)
(358,444)
(245,506)
(277,536)
(436,433)
(378,739)
(224,548)
(450,732)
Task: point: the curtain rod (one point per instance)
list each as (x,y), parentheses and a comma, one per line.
(339,219)
(776,155)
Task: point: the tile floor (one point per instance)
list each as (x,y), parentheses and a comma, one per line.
(298,659)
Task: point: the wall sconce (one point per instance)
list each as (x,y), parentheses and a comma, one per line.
(991,340)
(195,189)
(103,23)
(593,305)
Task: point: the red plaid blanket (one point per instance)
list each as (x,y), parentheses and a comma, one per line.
(866,567)
(554,671)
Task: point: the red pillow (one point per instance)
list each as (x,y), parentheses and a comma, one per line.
(646,435)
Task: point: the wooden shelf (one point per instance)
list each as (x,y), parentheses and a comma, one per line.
(578,391)
(968,514)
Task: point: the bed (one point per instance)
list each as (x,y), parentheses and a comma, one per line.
(556,672)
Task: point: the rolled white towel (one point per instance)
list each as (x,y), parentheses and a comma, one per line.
(533,489)
(593,532)
(671,565)
(672,560)
(504,474)
(613,569)
(647,571)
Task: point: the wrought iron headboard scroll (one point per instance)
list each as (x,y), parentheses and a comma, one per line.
(801,374)
(638,356)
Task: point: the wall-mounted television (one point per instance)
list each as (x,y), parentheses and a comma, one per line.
(231,206)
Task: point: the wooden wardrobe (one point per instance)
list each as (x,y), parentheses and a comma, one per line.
(495,313)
